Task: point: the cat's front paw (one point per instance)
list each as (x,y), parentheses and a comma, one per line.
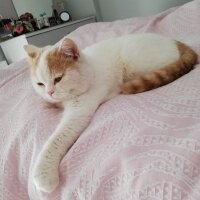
(45,181)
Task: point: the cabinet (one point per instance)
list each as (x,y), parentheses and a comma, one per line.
(13,48)
(53,34)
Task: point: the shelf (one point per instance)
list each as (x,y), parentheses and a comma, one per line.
(58,26)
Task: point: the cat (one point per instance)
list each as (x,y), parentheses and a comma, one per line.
(81,80)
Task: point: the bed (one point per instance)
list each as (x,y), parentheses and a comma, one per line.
(137,147)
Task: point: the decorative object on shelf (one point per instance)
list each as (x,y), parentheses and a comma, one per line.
(56,16)
(28,27)
(26,17)
(44,20)
(60,11)
(65,16)
(61,5)
(5,28)
(6,24)
(18,29)
(28,22)
(39,23)
(52,21)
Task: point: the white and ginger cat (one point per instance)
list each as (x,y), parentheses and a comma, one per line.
(81,80)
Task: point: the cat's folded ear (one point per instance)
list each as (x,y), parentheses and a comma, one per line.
(69,48)
(32,50)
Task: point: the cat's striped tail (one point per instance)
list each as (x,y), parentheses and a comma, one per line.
(165,75)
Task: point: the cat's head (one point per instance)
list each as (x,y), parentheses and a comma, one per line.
(55,72)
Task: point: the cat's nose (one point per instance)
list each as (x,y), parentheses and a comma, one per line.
(50,93)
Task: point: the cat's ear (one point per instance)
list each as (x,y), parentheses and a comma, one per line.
(32,50)
(69,48)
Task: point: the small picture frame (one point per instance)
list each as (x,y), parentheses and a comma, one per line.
(52,21)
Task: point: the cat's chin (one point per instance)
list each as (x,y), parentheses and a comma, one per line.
(52,100)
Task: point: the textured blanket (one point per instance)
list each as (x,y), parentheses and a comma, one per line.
(137,147)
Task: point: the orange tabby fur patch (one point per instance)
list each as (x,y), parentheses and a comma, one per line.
(169,73)
(58,62)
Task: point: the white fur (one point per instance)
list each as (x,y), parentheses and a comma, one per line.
(97,78)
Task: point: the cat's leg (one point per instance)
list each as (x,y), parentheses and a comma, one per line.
(75,119)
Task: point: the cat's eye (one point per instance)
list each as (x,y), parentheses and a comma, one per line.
(58,79)
(40,84)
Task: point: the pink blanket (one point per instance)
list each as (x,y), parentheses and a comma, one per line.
(137,147)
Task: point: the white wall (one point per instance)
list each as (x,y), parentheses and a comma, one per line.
(80,8)
(7,9)
(130,8)
(77,8)
(36,7)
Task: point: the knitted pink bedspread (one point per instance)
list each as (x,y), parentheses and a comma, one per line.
(137,147)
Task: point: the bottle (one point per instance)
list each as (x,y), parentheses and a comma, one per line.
(45,20)
(56,16)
